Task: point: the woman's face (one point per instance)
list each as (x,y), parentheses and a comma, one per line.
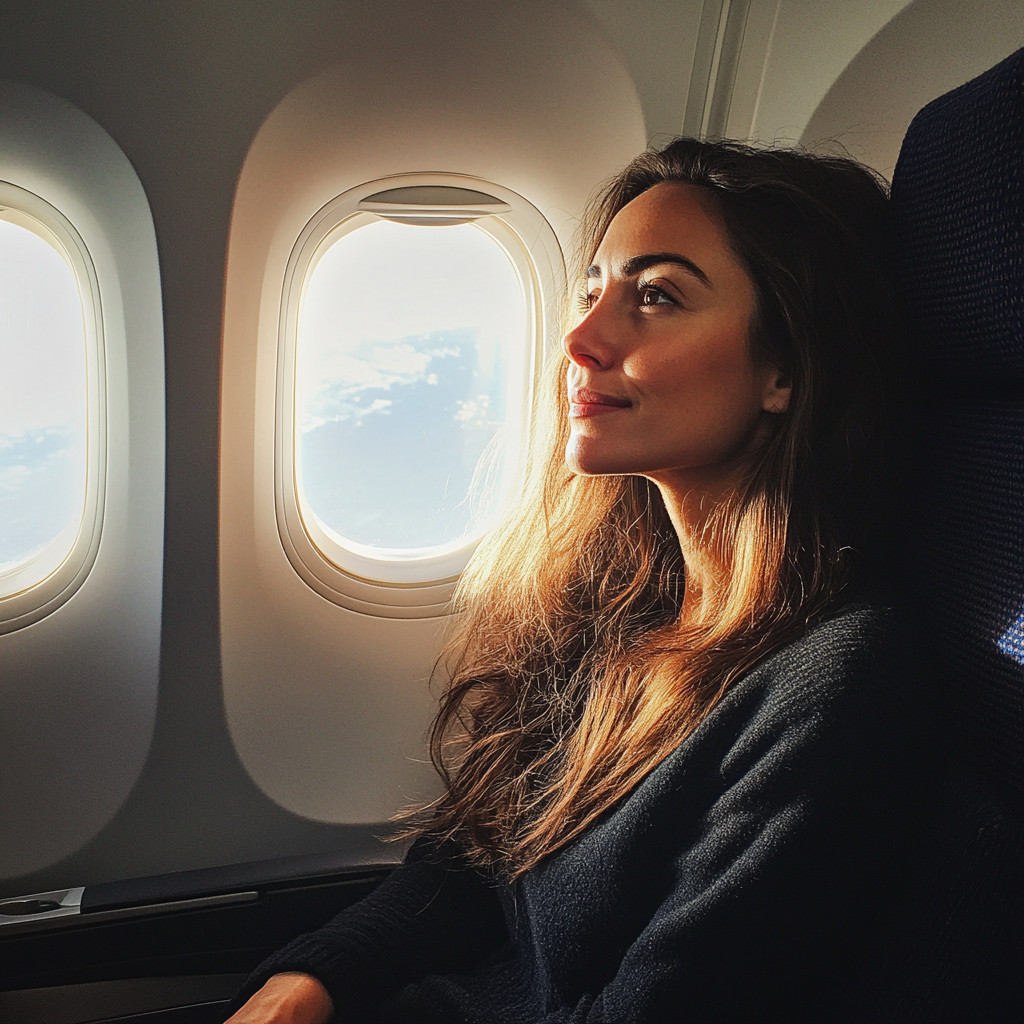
(661,379)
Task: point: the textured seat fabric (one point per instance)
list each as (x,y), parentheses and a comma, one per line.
(959,206)
(971,556)
(958,222)
(958,229)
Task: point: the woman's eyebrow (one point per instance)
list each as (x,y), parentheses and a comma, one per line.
(637,264)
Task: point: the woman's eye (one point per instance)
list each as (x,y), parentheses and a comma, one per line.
(585,300)
(652,295)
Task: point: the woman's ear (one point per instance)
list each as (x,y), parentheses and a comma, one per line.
(777,390)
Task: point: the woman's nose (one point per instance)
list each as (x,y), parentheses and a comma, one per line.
(588,344)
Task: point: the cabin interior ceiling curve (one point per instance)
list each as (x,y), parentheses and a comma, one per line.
(193,92)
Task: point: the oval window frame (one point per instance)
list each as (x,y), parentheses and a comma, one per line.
(38,586)
(345,575)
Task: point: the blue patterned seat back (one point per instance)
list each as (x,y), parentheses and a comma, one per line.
(958,210)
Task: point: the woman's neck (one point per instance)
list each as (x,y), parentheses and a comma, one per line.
(694,501)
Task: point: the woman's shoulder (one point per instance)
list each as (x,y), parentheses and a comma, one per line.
(853,672)
(837,717)
(863,636)
(857,642)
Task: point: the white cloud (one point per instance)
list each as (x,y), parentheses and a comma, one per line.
(12,477)
(385,283)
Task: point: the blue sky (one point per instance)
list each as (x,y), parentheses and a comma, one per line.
(391,466)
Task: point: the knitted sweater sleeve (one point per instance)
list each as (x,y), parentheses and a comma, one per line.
(432,914)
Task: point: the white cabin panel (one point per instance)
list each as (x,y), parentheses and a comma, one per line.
(78,685)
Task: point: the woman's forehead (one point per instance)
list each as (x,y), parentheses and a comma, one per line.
(669,217)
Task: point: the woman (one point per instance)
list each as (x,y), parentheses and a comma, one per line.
(678,740)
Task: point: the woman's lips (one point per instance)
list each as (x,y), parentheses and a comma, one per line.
(584,403)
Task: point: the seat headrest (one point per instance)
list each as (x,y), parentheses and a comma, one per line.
(958,229)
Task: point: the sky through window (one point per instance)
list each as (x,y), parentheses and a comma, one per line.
(409,359)
(43,391)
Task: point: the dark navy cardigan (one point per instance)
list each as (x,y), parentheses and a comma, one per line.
(743,880)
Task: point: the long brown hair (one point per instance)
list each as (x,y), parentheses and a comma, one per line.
(571,672)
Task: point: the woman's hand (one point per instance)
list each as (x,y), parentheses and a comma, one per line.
(289,998)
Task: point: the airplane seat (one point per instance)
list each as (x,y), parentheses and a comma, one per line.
(958,234)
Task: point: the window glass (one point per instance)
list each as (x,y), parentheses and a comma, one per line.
(409,356)
(43,394)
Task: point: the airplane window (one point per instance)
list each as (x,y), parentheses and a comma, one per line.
(43,402)
(414,316)
(409,340)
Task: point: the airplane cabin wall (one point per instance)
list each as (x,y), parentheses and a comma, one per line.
(79,654)
(184,88)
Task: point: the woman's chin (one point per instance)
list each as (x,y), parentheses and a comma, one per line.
(586,459)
